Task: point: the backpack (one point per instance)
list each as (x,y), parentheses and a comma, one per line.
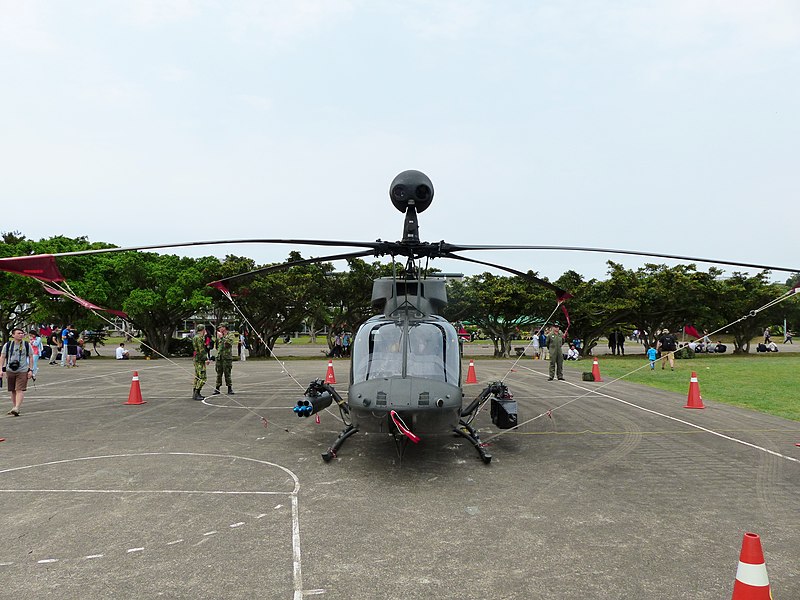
(668,342)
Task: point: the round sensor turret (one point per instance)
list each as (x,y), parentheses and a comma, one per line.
(411,188)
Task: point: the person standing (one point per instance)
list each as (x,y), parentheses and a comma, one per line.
(667,344)
(200,360)
(787,337)
(242,347)
(16,365)
(226,342)
(555,340)
(71,346)
(535,343)
(37,348)
(64,332)
(652,355)
(612,342)
(543,343)
(620,343)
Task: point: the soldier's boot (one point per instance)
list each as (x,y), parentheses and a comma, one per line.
(197,395)
(230,391)
(216,391)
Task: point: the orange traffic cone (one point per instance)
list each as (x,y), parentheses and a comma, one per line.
(695,400)
(471,378)
(752,582)
(135,395)
(330,377)
(596,370)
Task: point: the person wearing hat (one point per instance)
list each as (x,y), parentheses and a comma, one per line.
(226,342)
(200,359)
(555,340)
(667,345)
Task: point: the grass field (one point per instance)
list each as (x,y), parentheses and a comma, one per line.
(765,382)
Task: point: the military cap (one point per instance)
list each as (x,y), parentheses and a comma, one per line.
(200,328)
(225,325)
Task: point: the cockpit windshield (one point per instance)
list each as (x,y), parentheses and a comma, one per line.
(389,348)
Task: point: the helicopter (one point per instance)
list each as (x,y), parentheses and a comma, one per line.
(405,371)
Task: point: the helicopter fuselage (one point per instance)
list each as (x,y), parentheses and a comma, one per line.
(410,364)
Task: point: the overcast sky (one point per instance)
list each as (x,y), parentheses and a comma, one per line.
(664,126)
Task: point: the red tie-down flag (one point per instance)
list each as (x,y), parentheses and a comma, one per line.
(691,331)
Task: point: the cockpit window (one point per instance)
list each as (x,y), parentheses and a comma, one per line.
(399,349)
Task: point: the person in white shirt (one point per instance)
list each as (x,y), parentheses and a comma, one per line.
(572,353)
(122,352)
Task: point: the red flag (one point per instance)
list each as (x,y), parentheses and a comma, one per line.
(691,332)
(82,302)
(40,266)
(219,286)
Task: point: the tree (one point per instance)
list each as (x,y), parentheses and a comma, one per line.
(665,297)
(500,306)
(163,291)
(349,295)
(596,307)
(276,303)
(735,298)
(19,292)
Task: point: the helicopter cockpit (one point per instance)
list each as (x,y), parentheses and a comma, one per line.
(387,347)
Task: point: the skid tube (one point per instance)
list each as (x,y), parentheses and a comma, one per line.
(330,454)
(465,430)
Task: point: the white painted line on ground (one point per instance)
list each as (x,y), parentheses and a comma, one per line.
(19,491)
(135,550)
(298,573)
(234,525)
(71,381)
(47,560)
(91,556)
(296,554)
(677,420)
(210,533)
(174,542)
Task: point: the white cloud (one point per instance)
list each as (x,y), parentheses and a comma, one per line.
(153,13)
(259,102)
(23,26)
(249,20)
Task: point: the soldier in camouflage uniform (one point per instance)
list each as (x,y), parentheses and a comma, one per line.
(226,342)
(555,340)
(200,360)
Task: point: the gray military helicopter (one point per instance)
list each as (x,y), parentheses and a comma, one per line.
(405,373)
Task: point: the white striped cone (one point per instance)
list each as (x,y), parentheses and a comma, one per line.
(752,582)
(330,376)
(694,400)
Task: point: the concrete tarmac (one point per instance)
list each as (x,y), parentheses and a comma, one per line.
(605,491)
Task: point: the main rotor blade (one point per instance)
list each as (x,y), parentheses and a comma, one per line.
(219,242)
(560,294)
(296,263)
(461,247)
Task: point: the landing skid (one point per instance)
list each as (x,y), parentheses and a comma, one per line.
(331,452)
(466,431)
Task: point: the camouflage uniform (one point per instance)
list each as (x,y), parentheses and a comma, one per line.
(224,358)
(554,343)
(199,348)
